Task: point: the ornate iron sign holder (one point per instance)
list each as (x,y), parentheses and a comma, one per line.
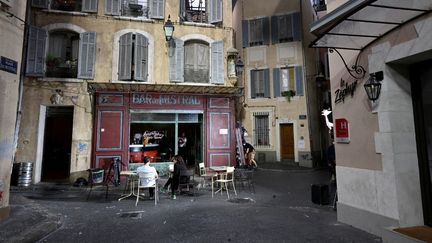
(356,71)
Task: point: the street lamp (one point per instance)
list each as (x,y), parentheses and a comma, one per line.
(373,86)
(168,29)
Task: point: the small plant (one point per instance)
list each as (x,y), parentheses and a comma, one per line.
(288,94)
(52,61)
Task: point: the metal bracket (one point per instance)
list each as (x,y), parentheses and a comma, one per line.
(356,71)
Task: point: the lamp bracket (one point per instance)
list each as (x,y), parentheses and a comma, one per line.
(356,71)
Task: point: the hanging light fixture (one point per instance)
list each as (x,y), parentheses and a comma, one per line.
(373,86)
(168,29)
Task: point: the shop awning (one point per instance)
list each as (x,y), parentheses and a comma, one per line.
(165,88)
(357,23)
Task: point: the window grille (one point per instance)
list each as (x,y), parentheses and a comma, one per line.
(261,129)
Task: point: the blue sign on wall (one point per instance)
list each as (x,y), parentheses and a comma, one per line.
(8,65)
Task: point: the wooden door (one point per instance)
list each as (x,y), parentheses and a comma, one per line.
(287,142)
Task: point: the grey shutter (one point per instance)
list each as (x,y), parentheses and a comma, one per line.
(275,29)
(297,26)
(87,54)
(266,83)
(157,9)
(217,63)
(276,82)
(36,51)
(299,80)
(215,11)
(183,10)
(253,79)
(113,7)
(177,62)
(266,31)
(245,30)
(89,6)
(125,57)
(141,53)
(40,3)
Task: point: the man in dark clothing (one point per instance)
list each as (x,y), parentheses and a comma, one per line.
(331,160)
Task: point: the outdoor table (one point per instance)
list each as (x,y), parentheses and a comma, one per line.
(218,170)
(132,176)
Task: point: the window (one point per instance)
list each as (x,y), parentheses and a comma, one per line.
(288,79)
(260,84)
(261,129)
(286,28)
(133,56)
(67,5)
(256,32)
(143,9)
(202,11)
(196,61)
(69,54)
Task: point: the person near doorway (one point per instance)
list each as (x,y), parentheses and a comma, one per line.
(182,147)
(250,155)
(331,161)
(174,180)
(148,169)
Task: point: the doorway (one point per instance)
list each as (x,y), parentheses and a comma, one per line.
(421,85)
(57,144)
(287,142)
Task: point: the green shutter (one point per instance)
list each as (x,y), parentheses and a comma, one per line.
(245,32)
(217,63)
(275,29)
(36,51)
(253,81)
(297,26)
(87,53)
(266,30)
(276,82)
(177,62)
(299,80)
(266,83)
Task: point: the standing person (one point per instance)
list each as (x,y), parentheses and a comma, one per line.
(250,154)
(331,161)
(148,169)
(179,167)
(182,146)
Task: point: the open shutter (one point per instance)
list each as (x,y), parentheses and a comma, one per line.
(39,3)
(113,7)
(157,9)
(276,82)
(36,51)
(177,62)
(183,10)
(299,80)
(87,54)
(245,32)
(89,6)
(217,63)
(215,11)
(297,26)
(266,83)
(266,30)
(253,79)
(125,57)
(275,29)
(141,53)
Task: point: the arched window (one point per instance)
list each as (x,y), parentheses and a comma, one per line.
(196,61)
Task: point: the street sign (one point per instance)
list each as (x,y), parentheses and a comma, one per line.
(8,65)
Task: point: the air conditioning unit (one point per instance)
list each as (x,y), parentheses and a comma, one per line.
(5,3)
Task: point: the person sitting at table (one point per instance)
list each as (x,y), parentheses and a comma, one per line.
(148,169)
(179,166)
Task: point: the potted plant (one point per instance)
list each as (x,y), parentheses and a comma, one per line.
(288,94)
(52,61)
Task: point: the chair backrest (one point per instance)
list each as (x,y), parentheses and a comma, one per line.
(146,179)
(202,169)
(230,169)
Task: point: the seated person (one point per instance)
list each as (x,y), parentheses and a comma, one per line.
(148,169)
(174,180)
(250,155)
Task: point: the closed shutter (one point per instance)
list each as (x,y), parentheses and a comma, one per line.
(297,26)
(157,9)
(183,10)
(266,31)
(275,29)
(253,79)
(36,51)
(276,82)
(299,80)
(141,53)
(113,7)
(215,11)
(245,32)
(89,6)
(177,62)
(125,57)
(40,3)
(87,53)
(217,64)
(266,83)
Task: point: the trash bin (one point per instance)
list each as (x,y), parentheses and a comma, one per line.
(22,174)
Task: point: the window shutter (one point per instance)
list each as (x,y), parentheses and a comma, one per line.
(215,11)
(267,83)
(297,26)
(177,62)
(245,30)
(182,10)
(275,29)
(253,79)
(276,82)
(125,57)
(141,53)
(36,51)
(157,9)
(87,54)
(113,7)
(89,6)
(40,3)
(217,63)
(299,80)
(266,30)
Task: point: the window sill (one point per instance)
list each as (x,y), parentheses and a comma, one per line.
(137,19)
(199,24)
(131,82)
(65,12)
(71,80)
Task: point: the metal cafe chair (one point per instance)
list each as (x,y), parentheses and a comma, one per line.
(187,179)
(245,176)
(224,180)
(147,180)
(205,175)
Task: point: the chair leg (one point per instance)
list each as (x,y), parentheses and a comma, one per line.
(235,192)
(212,188)
(91,188)
(138,193)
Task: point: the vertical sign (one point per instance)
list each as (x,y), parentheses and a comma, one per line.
(342,131)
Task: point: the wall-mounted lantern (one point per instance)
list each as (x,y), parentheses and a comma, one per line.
(169,30)
(373,85)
